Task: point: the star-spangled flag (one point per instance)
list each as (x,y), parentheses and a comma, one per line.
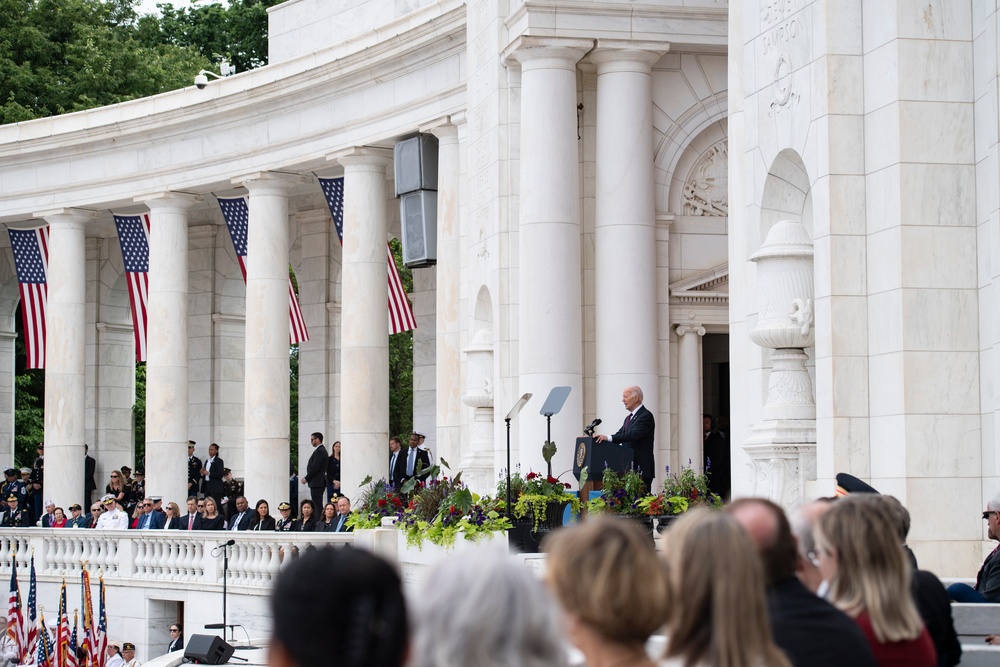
(133,235)
(45,656)
(31,640)
(71,659)
(100,656)
(31,259)
(15,618)
(62,631)
(236,211)
(400,312)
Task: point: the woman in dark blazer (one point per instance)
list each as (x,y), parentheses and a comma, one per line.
(333,473)
(211,519)
(328,524)
(173,520)
(307,519)
(176,638)
(261,519)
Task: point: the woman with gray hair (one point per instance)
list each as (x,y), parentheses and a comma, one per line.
(487,610)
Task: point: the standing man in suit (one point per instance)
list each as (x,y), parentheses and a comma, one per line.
(212,472)
(89,470)
(316,469)
(417,459)
(194,471)
(637,433)
(717,463)
(397,463)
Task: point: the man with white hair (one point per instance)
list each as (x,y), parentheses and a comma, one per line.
(49,516)
(637,433)
(988,579)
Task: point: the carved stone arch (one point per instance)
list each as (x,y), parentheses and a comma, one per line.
(787,195)
(477,459)
(699,181)
(674,139)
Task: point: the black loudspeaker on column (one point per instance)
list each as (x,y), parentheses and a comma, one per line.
(416,174)
(208,649)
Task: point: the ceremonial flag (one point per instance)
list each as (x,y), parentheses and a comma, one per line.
(236,211)
(31,259)
(45,648)
(71,659)
(400,312)
(15,619)
(31,640)
(100,655)
(133,236)
(62,630)
(89,641)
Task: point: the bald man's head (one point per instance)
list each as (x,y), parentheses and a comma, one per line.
(768,527)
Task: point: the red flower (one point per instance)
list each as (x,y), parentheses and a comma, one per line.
(567,485)
(381,502)
(551,480)
(397,502)
(451,509)
(532,475)
(694,493)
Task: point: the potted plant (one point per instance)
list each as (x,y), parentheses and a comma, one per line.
(542,499)
(376,501)
(679,494)
(622,495)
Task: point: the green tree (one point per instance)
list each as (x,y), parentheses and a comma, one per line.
(139,415)
(58,56)
(401,363)
(29,402)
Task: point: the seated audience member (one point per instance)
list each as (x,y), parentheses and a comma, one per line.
(720,618)
(58,518)
(77,520)
(328,522)
(988,578)
(928,591)
(114,657)
(343,512)
(261,519)
(113,517)
(173,517)
(803,523)
(211,519)
(49,516)
(307,519)
(869,577)
(810,630)
(626,598)
(95,513)
(13,517)
(191,520)
(367,627)
(287,521)
(456,616)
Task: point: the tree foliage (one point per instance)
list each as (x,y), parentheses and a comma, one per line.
(401,363)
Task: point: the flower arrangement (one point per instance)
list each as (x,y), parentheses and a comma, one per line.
(377,500)
(680,493)
(442,509)
(622,494)
(535,492)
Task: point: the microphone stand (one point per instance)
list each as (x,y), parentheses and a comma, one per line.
(225,579)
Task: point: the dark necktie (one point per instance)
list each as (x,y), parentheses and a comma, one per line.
(628,421)
(392,464)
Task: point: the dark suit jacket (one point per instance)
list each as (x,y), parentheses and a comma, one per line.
(176,644)
(717,464)
(267,524)
(244,522)
(813,632)
(398,474)
(47,520)
(422,456)
(639,436)
(156,520)
(89,470)
(341,526)
(935,608)
(194,475)
(187,517)
(316,468)
(213,487)
(988,577)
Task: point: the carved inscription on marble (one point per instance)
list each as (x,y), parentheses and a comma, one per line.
(706,191)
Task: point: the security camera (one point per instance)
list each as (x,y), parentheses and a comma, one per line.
(201,81)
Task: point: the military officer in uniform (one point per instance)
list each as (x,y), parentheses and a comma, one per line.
(194,471)
(14,487)
(14,516)
(287,521)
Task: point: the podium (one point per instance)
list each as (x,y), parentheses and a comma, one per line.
(595,456)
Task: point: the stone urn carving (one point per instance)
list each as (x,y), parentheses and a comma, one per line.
(477,459)
(782,448)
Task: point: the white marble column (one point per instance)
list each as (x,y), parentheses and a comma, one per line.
(550,345)
(364,347)
(65,363)
(167,429)
(266,383)
(690,434)
(448,366)
(625,229)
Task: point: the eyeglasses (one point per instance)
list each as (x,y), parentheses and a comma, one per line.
(175,630)
(987,513)
(147,504)
(114,477)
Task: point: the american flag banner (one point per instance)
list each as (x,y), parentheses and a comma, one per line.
(71,659)
(31,259)
(400,312)
(15,618)
(100,656)
(31,622)
(45,656)
(133,236)
(62,631)
(236,211)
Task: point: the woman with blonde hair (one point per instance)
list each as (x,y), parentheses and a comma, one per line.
(717,577)
(869,577)
(613,588)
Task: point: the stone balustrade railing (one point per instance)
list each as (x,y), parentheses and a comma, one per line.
(193,559)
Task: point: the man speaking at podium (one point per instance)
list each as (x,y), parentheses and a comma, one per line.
(637,433)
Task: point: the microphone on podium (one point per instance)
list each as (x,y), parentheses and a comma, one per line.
(590,429)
